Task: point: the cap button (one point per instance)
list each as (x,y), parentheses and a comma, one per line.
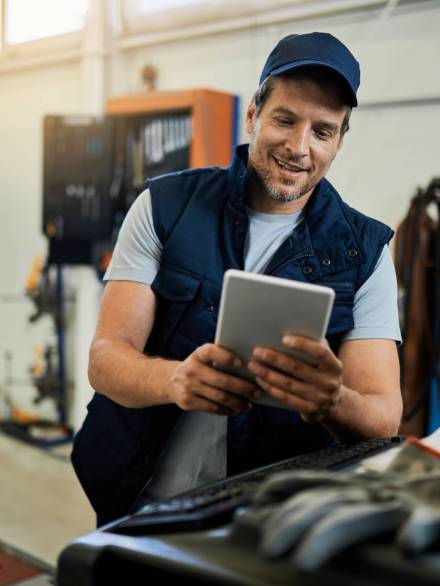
(307,270)
(353,252)
(326,262)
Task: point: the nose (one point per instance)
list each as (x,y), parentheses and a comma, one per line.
(298,140)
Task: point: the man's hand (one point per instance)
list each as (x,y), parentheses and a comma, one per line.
(196,385)
(312,390)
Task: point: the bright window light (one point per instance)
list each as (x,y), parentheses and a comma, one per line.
(159,5)
(28,20)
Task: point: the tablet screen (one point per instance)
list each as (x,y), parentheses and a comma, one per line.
(258,310)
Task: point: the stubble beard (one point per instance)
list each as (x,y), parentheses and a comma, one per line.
(264,178)
(278,193)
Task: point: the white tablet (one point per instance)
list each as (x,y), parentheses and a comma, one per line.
(258,310)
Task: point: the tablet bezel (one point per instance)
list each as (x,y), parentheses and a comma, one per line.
(312,310)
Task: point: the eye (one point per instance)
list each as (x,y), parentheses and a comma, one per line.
(323,133)
(283,121)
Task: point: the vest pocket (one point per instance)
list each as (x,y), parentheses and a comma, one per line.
(176,283)
(176,288)
(344,291)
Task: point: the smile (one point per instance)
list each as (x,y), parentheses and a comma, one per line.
(288,167)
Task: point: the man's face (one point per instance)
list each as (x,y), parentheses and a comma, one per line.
(293,140)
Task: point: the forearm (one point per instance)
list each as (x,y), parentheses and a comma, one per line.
(362,415)
(128,377)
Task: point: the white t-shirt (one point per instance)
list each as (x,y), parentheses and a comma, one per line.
(196,452)
(138,252)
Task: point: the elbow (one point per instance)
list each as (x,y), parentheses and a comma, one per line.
(388,418)
(399,411)
(94,370)
(93,379)
(393,430)
(395,418)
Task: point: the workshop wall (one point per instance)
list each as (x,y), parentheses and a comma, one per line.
(25,97)
(390,150)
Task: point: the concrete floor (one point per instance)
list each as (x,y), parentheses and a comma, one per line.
(42,506)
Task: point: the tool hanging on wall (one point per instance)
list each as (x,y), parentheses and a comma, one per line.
(47,292)
(46,377)
(40,290)
(417,259)
(44,286)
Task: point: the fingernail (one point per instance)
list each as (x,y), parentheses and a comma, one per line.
(254,367)
(290,340)
(258,352)
(237,362)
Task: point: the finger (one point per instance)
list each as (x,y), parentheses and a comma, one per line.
(284,363)
(289,384)
(228,382)
(223,398)
(296,368)
(207,406)
(306,409)
(319,350)
(201,397)
(210,353)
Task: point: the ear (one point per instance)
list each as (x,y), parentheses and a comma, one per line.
(251,115)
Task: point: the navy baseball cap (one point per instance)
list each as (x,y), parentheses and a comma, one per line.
(320,49)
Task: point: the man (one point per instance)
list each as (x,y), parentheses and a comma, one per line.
(162,415)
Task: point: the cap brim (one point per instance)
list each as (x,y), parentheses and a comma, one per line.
(304,62)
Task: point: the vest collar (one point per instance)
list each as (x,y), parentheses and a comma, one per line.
(237,178)
(325,242)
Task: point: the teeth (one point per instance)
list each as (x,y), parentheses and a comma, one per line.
(284,166)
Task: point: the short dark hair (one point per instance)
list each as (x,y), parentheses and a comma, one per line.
(323,77)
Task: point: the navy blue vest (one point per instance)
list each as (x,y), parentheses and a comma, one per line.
(200,217)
